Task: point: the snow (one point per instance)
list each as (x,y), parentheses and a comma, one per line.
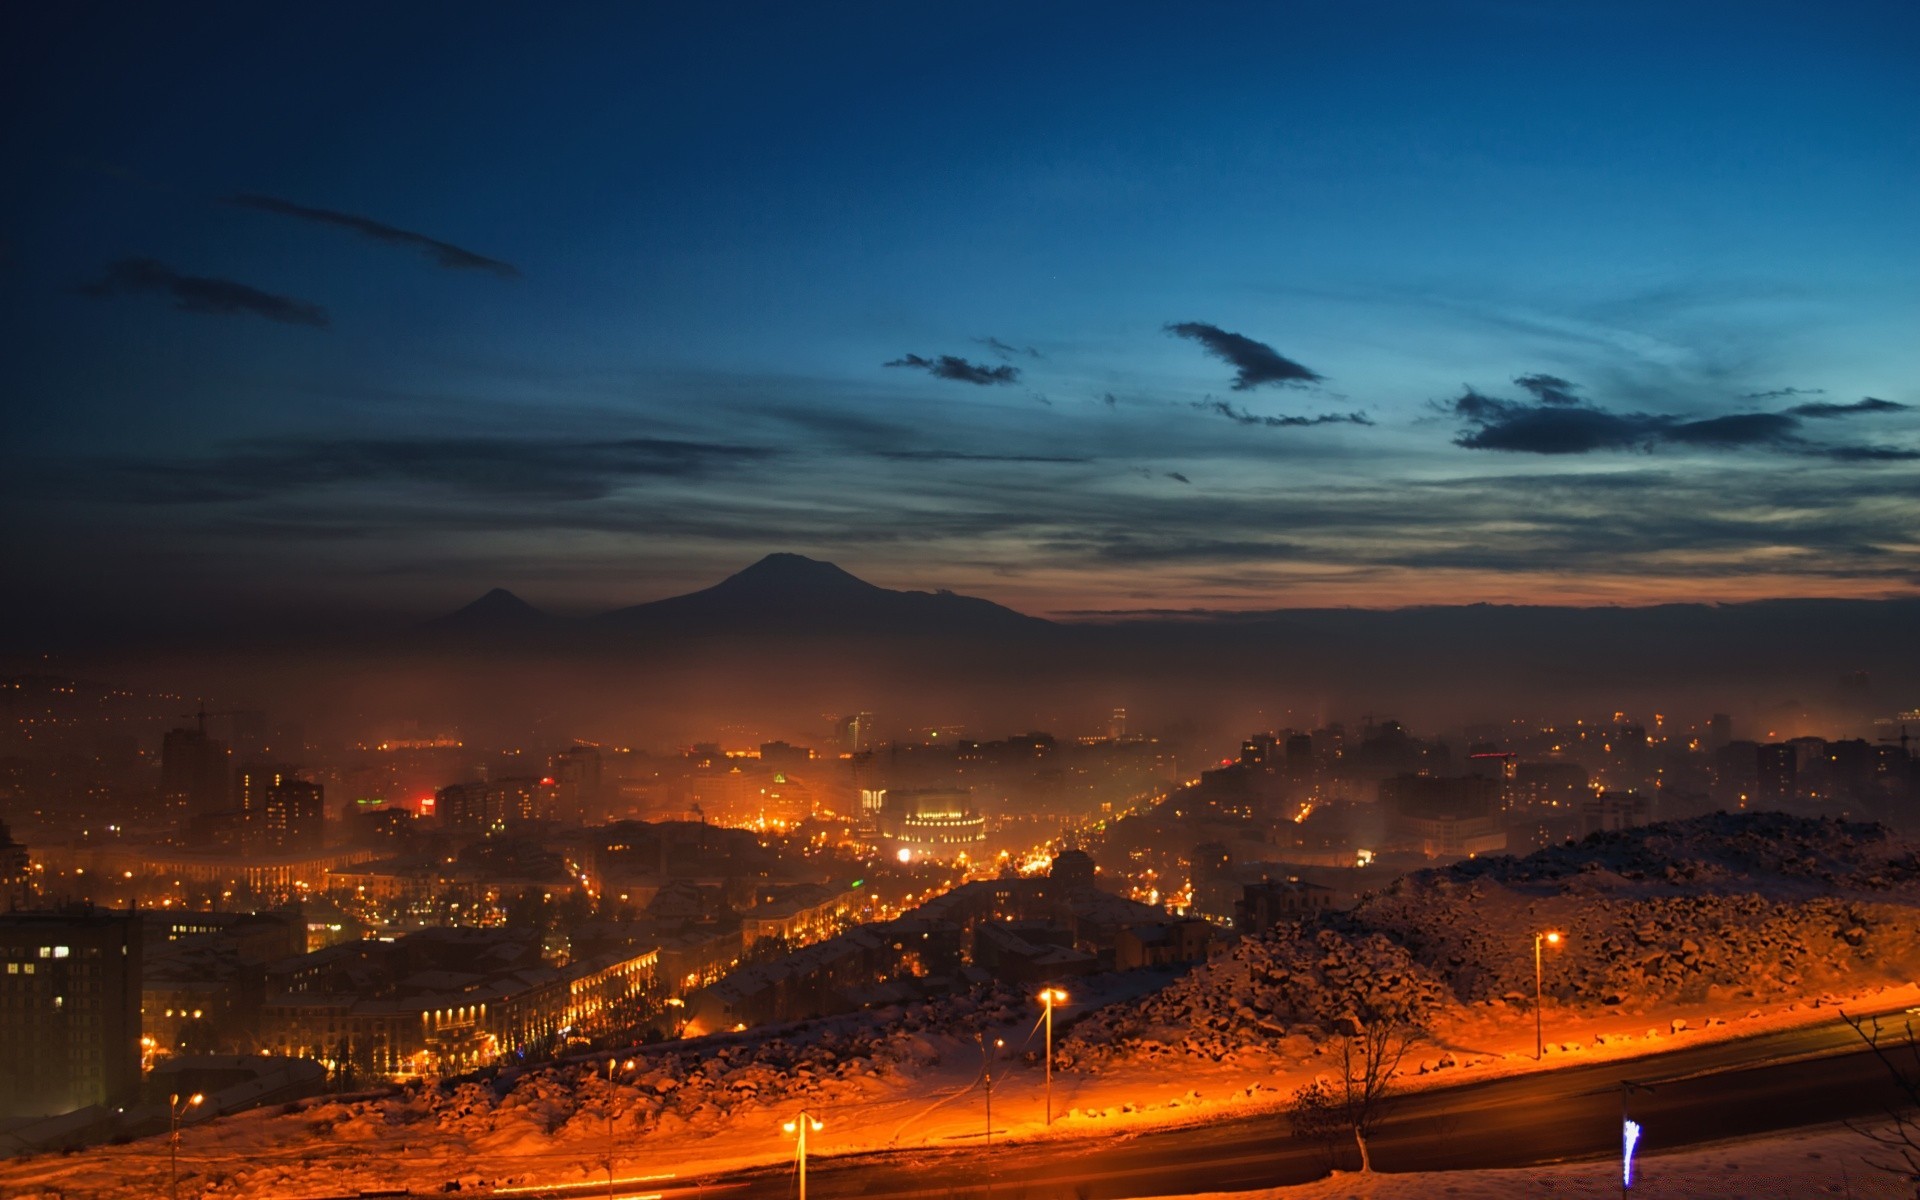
(1820,1162)
(1673,936)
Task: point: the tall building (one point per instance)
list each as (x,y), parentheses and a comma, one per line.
(193,775)
(1117,724)
(16,871)
(576,773)
(1778,772)
(294,816)
(856,732)
(69,1011)
(252,781)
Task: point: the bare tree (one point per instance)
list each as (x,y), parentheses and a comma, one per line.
(1376,1034)
(1900,1055)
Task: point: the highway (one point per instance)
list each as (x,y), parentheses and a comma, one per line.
(1807,1076)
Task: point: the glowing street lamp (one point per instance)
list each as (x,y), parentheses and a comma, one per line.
(176,1110)
(1051,997)
(801,1125)
(1551,938)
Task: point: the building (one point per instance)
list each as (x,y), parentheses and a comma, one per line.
(932,822)
(193,775)
(493,806)
(16,871)
(1777,773)
(577,773)
(295,817)
(1445,816)
(69,1011)
(1274,902)
(1614,811)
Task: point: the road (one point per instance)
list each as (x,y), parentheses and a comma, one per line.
(1807,1076)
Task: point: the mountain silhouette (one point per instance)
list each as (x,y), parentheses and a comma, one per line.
(498,613)
(793,594)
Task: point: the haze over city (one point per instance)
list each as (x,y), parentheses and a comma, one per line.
(1092,600)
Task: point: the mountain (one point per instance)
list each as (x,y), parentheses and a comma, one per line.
(793,594)
(498,613)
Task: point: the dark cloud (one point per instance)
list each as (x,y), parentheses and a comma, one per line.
(1241,416)
(1110,400)
(1548,389)
(547,469)
(1784,393)
(949,366)
(1557,422)
(1867,404)
(1177,477)
(202,294)
(444,254)
(958,456)
(1870,454)
(1006,351)
(1254,363)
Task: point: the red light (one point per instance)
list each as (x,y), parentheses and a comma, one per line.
(547,781)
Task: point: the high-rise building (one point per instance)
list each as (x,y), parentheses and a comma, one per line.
(70,995)
(856,732)
(576,773)
(16,871)
(193,775)
(1778,772)
(1117,724)
(294,816)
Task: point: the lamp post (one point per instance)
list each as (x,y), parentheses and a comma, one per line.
(175,1110)
(1051,997)
(1551,938)
(629,1066)
(800,1125)
(986,1070)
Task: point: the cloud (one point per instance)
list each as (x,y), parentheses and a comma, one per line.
(1241,416)
(1866,404)
(444,254)
(1110,400)
(553,469)
(1177,477)
(949,366)
(1254,363)
(1870,454)
(1784,393)
(1557,422)
(1548,389)
(1006,351)
(202,294)
(959,456)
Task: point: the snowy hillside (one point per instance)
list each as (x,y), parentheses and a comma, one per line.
(1722,908)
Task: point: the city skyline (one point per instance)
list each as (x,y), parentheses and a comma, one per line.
(1589,306)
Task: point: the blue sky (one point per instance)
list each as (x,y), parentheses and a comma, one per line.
(363,309)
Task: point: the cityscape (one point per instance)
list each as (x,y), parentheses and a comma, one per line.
(772,649)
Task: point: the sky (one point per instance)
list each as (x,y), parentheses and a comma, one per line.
(321,310)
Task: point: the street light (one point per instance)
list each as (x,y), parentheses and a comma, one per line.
(175,1110)
(800,1125)
(1051,997)
(986,1069)
(629,1066)
(1551,938)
